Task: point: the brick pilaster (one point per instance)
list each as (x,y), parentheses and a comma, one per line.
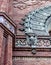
(9,51)
(1,41)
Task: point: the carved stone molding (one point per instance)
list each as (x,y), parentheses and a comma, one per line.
(42,42)
(7,22)
(24,4)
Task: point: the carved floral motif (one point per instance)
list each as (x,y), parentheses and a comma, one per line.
(24,4)
(40,43)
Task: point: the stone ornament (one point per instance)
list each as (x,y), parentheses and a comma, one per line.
(7,24)
(24,4)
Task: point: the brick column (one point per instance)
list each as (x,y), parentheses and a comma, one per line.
(1,41)
(9,51)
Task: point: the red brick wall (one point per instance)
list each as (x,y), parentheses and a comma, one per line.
(3,5)
(6,6)
(27,58)
(5,49)
(1,41)
(28,53)
(31,61)
(9,51)
(17,13)
(22,8)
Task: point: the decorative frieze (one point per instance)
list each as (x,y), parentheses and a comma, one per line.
(43,42)
(7,24)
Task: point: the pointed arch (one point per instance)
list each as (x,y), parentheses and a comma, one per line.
(38,21)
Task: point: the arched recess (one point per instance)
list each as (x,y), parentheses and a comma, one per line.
(48,23)
(38,21)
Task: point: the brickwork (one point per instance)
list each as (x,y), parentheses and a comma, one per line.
(13,8)
(9,51)
(6,6)
(45,53)
(3,5)
(31,61)
(17,12)
(5,49)
(1,41)
(10,9)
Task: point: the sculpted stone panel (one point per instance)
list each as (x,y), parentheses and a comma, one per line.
(41,43)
